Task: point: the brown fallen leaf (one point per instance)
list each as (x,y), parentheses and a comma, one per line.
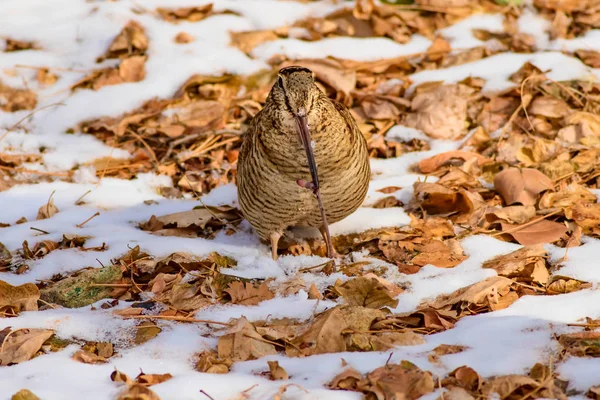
(591,58)
(397,381)
(199,218)
(24,394)
(367,292)
(517,185)
(146,330)
(21,344)
(247,41)
(346,380)
(513,214)
(431,164)
(509,386)
(152,379)
(581,344)
(242,342)
(464,377)
(12,99)
(118,376)
(85,357)
(527,262)
(210,362)
(441,112)
(444,349)
(564,284)
(323,335)
(47,210)
(569,196)
(485,292)
(183,37)
(137,392)
(276,372)
(24,297)
(132,40)
(550,107)
(543,231)
(247,294)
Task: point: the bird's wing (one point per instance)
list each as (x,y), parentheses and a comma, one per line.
(353,128)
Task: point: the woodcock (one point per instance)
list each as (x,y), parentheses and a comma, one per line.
(298,122)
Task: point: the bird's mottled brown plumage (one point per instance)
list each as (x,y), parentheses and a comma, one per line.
(273,159)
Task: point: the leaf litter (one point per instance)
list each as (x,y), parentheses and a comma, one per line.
(526,173)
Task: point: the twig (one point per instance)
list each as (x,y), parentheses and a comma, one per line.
(174,318)
(206,394)
(32,171)
(585,325)
(39,230)
(146,145)
(29,115)
(77,202)
(314,266)
(117,285)
(88,220)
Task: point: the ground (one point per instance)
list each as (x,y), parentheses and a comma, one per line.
(482,124)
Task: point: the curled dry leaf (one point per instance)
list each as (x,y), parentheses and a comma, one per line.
(210,362)
(367,292)
(480,293)
(567,197)
(512,214)
(431,164)
(21,344)
(130,41)
(441,112)
(152,379)
(527,262)
(517,386)
(276,372)
(587,216)
(24,297)
(47,210)
(517,185)
(86,357)
(346,380)
(581,344)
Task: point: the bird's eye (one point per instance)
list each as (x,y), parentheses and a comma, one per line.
(280,81)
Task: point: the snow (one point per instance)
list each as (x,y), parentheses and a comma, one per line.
(73,33)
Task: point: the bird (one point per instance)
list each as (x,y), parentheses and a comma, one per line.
(277,182)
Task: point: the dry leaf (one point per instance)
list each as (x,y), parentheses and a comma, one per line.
(21,344)
(513,214)
(88,358)
(346,380)
(543,231)
(138,392)
(527,262)
(431,164)
(24,297)
(441,112)
(247,41)
(550,107)
(517,185)
(24,394)
(242,342)
(130,41)
(480,293)
(12,100)
(277,373)
(324,335)
(248,295)
(397,381)
(367,292)
(47,210)
(183,37)
(152,379)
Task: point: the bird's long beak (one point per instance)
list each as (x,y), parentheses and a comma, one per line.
(304,133)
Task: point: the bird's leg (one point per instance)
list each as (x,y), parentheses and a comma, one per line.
(275,236)
(331,252)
